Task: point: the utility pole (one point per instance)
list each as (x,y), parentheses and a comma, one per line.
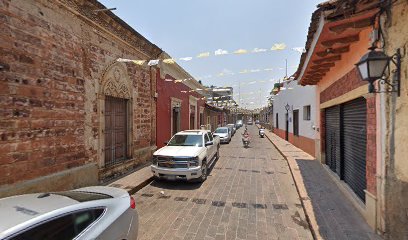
(260,101)
(239,92)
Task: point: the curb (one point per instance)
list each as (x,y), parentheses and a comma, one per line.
(140,186)
(312,230)
(140,183)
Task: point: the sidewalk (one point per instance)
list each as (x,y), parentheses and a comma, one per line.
(330,213)
(134,181)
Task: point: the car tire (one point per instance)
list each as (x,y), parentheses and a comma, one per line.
(204,172)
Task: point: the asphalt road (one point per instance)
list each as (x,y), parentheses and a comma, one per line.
(249,194)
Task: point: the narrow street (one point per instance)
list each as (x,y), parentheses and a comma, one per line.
(249,194)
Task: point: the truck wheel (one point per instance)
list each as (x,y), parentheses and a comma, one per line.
(204,170)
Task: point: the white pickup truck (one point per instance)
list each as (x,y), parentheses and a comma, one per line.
(187,156)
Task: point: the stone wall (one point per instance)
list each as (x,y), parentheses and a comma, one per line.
(52,86)
(395,29)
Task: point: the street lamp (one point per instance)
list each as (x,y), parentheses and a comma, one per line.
(372,67)
(287,107)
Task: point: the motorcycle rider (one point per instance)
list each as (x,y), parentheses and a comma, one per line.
(261,131)
(245,136)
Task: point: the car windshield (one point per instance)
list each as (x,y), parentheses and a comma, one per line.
(186,140)
(221,130)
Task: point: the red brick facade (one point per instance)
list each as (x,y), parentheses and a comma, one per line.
(51,89)
(371,145)
(347,83)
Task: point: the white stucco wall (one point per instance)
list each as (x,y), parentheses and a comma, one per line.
(297,97)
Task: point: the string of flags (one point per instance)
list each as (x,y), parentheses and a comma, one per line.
(221,74)
(235,85)
(218,52)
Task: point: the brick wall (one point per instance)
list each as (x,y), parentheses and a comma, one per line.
(49,110)
(345,84)
(371,153)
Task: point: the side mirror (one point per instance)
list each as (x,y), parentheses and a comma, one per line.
(209,143)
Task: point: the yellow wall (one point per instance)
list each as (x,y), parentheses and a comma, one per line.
(396,157)
(398,38)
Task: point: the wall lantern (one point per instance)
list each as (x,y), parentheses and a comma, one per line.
(287,107)
(372,67)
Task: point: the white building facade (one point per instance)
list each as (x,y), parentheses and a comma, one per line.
(300,101)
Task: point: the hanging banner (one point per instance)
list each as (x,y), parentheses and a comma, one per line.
(169,61)
(278,46)
(139,62)
(153,62)
(203,55)
(241,51)
(220,52)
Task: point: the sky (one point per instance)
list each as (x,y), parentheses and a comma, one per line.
(186,28)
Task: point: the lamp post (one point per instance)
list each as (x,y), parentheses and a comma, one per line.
(287,107)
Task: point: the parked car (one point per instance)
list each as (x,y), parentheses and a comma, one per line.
(87,213)
(239,123)
(231,129)
(187,156)
(249,122)
(224,133)
(234,128)
(256,121)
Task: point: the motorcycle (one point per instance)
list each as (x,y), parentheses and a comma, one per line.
(245,141)
(262,132)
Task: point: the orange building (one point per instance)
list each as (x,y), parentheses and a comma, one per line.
(339,35)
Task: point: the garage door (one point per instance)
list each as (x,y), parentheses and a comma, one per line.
(332,138)
(354,140)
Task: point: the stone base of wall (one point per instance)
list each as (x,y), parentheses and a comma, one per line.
(396,209)
(82,176)
(141,157)
(306,144)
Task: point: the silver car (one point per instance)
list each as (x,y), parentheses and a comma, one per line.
(86,213)
(234,128)
(224,133)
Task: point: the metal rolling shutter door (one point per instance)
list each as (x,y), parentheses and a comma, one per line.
(354,145)
(332,138)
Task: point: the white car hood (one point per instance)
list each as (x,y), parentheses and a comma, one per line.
(179,151)
(221,134)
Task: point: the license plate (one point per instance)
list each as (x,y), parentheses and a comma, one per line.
(171,177)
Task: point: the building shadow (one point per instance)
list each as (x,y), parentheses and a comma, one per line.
(335,215)
(176,185)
